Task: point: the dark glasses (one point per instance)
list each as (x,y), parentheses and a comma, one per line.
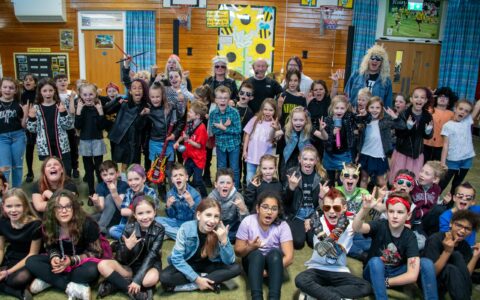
(406,182)
(242,93)
(376,57)
(336,208)
(220,67)
(348,175)
(460,226)
(466,197)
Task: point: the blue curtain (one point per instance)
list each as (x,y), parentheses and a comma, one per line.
(141,37)
(365,21)
(460,55)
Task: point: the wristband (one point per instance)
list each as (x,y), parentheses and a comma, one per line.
(387,284)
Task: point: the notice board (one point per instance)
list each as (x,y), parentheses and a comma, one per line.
(40,64)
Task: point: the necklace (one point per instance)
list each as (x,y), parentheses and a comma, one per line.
(5,106)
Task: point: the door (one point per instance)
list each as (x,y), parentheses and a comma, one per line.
(101,55)
(412,65)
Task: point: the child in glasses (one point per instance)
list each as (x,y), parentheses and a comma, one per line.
(454,258)
(463,199)
(246,114)
(265,244)
(328,276)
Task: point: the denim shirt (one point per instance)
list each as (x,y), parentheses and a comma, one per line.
(356,82)
(292,143)
(180,209)
(186,245)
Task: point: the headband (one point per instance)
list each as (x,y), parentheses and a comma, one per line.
(113,85)
(406,177)
(395,200)
(174,56)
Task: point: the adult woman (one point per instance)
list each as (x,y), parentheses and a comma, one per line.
(173,64)
(202,246)
(374,73)
(295,63)
(220,76)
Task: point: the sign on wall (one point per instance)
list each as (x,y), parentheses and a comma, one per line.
(218,18)
(40,64)
(250,36)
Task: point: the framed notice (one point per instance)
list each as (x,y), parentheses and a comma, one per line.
(40,64)
(66,39)
(218,18)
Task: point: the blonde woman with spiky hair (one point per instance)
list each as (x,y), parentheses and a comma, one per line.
(374,73)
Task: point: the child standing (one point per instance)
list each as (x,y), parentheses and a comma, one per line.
(458,152)
(246,114)
(195,140)
(264,242)
(409,148)
(29,95)
(50,120)
(13,117)
(182,201)
(259,136)
(339,141)
(143,267)
(363,97)
(265,180)
(136,178)
(108,100)
(442,112)
(225,125)
(90,121)
(292,97)
(400,103)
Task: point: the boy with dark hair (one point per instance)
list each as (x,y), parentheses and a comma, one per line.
(328,276)
(453,258)
(394,259)
(109,196)
(244,96)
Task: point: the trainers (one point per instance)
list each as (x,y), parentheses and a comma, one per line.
(106,288)
(304,296)
(38,286)
(142,295)
(186,287)
(26,295)
(78,291)
(29,177)
(75,173)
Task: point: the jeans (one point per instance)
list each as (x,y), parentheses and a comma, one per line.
(109,210)
(254,264)
(171,226)
(232,157)
(376,272)
(197,179)
(116,231)
(251,170)
(360,245)
(12,149)
(217,272)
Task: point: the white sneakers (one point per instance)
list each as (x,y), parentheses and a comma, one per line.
(78,291)
(38,286)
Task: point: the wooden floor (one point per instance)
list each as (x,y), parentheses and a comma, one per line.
(289,290)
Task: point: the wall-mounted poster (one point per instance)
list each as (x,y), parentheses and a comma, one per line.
(311,3)
(413,18)
(40,64)
(66,39)
(104,41)
(251,35)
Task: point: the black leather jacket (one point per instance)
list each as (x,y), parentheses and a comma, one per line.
(128,114)
(159,122)
(152,241)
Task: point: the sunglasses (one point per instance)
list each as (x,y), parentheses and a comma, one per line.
(242,93)
(220,67)
(406,182)
(348,175)
(377,58)
(466,197)
(336,208)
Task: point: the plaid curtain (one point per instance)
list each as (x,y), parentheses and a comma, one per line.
(460,55)
(141,37)
(365,21)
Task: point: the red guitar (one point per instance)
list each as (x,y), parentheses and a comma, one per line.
(156,174)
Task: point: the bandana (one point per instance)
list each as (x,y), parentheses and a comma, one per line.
(406,177)
(395,200)
(113,85)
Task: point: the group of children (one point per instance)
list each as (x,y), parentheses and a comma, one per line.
(315,190)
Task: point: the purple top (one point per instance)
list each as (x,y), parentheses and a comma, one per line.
(272,238)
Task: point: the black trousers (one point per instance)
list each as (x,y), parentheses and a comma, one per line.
(458,177)
(432,153)
(297,227)
(218,272)
(329,285)
(455,278)
(92,165)
(73,140)
(16,283)
(39,266)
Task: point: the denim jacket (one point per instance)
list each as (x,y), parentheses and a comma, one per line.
(180,209)
(356,82)
(186,245)
(291,144)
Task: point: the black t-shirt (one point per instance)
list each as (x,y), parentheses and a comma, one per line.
(391,250)
(318,109)
(245,114)
(307,187)
(197,257)
(68,185)
(371,80)
(434,248)
(19,240)
(290,102)
(90,233)
(49,113)
(28,96)
(262,89)
(11,115)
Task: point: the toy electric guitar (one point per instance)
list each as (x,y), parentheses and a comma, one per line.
(156,174)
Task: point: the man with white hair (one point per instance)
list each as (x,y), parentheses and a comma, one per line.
(263,86)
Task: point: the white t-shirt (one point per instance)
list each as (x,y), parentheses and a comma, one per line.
(460,145)
(372,146)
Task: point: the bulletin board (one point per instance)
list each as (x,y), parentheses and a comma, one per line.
(251,35)
(40,64)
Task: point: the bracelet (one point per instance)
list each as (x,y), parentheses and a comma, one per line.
(387,284)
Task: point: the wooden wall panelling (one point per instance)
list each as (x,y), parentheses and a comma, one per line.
(302,33)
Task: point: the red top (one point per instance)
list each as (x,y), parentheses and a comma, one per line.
(199,156)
